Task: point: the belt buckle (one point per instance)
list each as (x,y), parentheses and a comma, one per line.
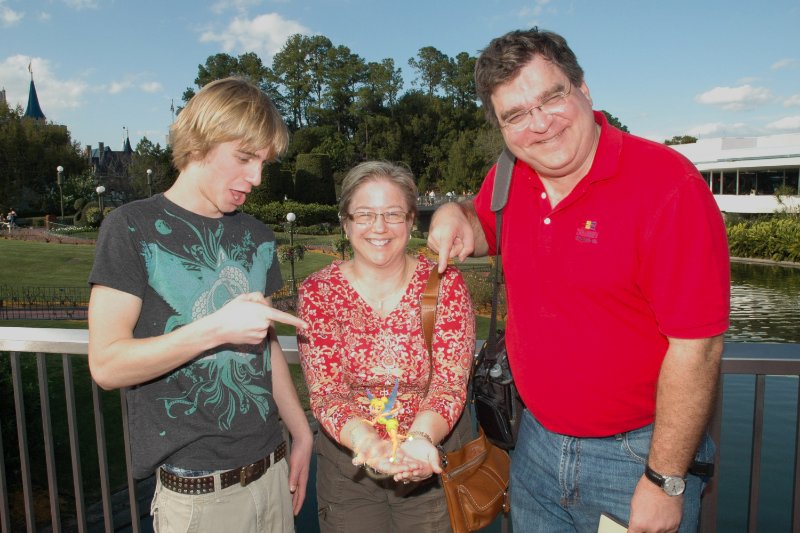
(243,474)
(249,470)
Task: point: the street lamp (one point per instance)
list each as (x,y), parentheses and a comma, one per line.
(291,217)
(149,183)
(100,190)
(59,180)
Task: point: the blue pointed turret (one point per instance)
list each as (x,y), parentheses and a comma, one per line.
(33,111)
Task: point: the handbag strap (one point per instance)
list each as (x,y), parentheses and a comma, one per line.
(502,184)
(428,302)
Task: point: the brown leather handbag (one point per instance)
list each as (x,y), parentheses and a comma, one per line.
(475,481)
(475,476)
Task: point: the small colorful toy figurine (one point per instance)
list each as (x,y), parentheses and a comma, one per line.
(383,411)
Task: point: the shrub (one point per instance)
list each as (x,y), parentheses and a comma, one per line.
(307,214)
(342,247)
(480,288)
(91,216)
(288,252)
(313,179)
(776,237)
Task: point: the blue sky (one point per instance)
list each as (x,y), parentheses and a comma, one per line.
(706,68)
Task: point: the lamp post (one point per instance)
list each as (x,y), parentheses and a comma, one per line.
(100,190)
(59,181)
(291,217)
(149,183)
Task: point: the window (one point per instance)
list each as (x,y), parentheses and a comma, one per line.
(715,182)
(747,182)
(790,177)
(729,182)
(768,181)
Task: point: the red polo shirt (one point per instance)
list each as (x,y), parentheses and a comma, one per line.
(636,253)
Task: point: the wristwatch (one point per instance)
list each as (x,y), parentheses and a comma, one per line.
(671,485)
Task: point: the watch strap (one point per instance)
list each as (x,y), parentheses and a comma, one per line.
(660,480)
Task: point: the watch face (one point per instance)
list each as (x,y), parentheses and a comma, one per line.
(674,486)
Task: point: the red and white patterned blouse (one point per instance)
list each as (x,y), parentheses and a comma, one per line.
(348,348)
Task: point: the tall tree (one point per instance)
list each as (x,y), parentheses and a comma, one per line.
(614,121)
(30,151)
(346,71)
(459,84)
(247,65)
(431,66)
(292,74)
(382,85)
(681,139)
(157,159)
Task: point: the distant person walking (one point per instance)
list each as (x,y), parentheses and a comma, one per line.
(11,218)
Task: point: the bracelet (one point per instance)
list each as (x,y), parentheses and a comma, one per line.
(421,435)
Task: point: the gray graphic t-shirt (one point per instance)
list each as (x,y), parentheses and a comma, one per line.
(217,411)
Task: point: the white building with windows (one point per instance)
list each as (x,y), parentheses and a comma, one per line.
(745,173)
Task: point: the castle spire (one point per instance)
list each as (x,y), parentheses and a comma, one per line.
(34,110)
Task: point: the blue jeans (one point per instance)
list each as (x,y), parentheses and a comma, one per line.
(561,483)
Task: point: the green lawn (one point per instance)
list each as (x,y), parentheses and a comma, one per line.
(42,264)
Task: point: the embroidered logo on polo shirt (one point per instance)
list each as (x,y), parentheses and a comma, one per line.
(588,232)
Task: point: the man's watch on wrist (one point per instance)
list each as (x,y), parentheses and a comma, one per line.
(671,485)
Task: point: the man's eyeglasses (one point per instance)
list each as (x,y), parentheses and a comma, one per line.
(551,105)
(367,218)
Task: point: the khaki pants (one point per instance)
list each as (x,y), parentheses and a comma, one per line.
(263,506)
(352,502)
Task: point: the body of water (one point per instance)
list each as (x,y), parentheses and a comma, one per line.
(765,307)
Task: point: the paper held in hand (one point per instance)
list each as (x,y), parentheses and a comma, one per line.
(610,524)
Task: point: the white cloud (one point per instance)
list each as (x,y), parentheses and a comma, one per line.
(784,63)
(264,34)
(130,82)
(151,87)
(735,98)
(116,87)
(786,123)
(44,16)
(717,129)
(532,13)
(792,101)
(81,4)
(54,94)
(220,6)
(9,17)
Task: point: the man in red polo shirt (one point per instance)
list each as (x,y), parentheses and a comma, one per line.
(617,273)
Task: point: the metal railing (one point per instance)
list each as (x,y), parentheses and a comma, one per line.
(21,346)
(46,303)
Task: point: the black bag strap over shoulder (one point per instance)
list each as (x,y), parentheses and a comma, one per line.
(502,184)
(502,180)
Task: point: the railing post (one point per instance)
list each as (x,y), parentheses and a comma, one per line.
(710,497)
(22,439)
(755,458)
(74,446)
(49,449)
(5,518)
(134,502)
(796,487)
(102,457)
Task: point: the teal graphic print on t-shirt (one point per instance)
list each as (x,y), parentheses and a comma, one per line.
(196,281)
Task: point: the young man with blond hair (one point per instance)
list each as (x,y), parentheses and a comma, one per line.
(180,313)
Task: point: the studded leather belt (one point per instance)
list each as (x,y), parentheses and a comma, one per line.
(243,475)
